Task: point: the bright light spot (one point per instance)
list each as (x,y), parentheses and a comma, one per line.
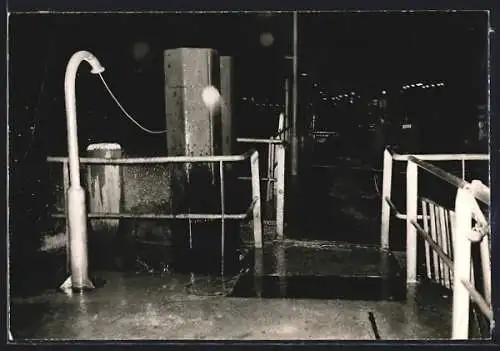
(140,50)
(419,84)
(266,39)
(303,74)
(413,85)
(211,97)
(384,92)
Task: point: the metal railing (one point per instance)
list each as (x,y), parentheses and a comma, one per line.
(275,170)
(253,209)
(447,233)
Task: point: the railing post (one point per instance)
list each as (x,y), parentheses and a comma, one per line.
(411,215)
(257,220)
(386,193)
(461,266)
(280,190)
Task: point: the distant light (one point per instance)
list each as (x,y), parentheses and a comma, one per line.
(353,93)
(324,99)
(303,74)
(321,92)
(419,84)
(315,84)
(432,85)
(266,39)
(244,98)
(413,85)
(384,92)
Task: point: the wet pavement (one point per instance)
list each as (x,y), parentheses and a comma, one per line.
(171,306)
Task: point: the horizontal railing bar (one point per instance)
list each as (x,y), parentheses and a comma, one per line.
(435,246)
(479,300)
(438,172)
(157,216)
(323,133)
(443,157)
(150,160)
(447,177)
(260,141)
(399,214)
(261,179)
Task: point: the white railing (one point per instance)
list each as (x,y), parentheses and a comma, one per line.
(275,178)
(447,234)
(253,210)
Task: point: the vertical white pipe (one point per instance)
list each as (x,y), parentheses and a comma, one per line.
(77,212)
(461,266)
(386,193)
(257,218)
(411,215)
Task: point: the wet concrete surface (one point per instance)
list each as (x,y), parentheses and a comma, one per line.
(322,271)
(161,308)
(171,306)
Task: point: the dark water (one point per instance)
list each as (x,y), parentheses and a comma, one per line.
(320,287)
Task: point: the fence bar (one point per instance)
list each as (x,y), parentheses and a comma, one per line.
(280,191)
(386,194)
(257,220)
(435,246)
(486,267)
(150,160)
(426,244)
(158,216)
(261,179)
(461,266)
(484,306)
(443,157)
(260,141)
(221,173)
(411,213)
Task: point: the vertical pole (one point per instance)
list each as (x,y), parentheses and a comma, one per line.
(463,169)
(486,267)
(461,266)
(257,219)
(411,215)
(295,140)
(286,123)
(280,191)
(221,173)
(386,193)
(65,189)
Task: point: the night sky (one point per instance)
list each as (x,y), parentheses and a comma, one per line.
(366,52)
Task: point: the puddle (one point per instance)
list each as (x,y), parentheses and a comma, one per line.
(320,287)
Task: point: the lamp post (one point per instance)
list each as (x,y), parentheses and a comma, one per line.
(77,212)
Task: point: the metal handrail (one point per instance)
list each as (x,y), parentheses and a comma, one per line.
(157,160)
(448,177)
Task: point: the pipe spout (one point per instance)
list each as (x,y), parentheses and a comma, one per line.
(77,212)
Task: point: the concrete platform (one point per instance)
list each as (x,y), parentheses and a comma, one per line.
(170,306)
(161,307)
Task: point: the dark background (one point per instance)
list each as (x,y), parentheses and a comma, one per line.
(338,52)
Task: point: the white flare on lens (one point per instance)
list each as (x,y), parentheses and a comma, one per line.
(211,97)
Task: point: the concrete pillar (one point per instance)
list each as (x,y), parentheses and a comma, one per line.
(104,183)
(226,75)
(194,130)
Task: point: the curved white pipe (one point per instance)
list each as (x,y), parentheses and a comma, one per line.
(77,212)
(70,100)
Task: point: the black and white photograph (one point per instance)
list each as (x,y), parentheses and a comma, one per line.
(272,175)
